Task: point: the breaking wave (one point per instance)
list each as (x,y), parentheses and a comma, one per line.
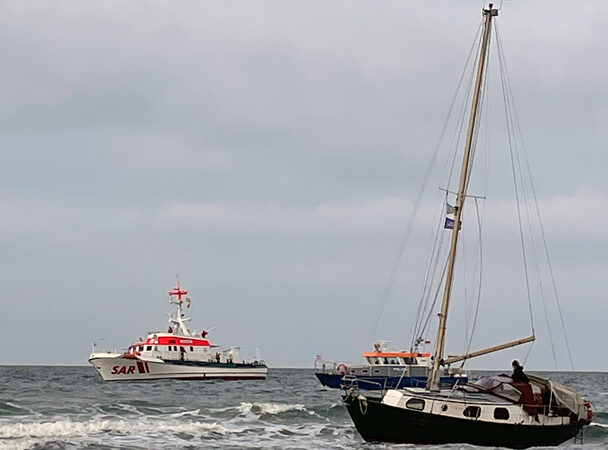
(262,409)
(65,428)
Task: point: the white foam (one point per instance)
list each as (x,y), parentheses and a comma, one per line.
(602,425)
(270,408)
(195,412)
(131,409)
(68,428)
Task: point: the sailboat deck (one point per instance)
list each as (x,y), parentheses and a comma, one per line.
(458,395)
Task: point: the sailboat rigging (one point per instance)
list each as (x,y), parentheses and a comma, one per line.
(493,411)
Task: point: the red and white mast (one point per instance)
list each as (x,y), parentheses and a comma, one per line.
(177,319)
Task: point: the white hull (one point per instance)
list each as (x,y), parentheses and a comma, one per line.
(115,368)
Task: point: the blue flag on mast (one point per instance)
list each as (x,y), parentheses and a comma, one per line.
(449,222)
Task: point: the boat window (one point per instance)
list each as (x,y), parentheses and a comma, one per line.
(141,348)
(155,348)
(364,371)
(415,403)
(385,360)
(191,349)
(472,411)
(376,370)
(501,413)
(149,347)
(393,361)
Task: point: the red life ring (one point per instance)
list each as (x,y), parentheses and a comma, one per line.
(589,411)
(342,369)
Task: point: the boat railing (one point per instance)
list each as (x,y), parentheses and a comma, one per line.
(352,381)
(322,365)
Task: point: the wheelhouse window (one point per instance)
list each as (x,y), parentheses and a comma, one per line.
(141,348)
(191,349)
(472,411)
(149,347)
(501,413)
(415,403)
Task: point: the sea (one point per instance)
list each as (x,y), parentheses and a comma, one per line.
(44,407)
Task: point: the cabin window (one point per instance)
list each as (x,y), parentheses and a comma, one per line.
(501,413)
(376,370)
(415,403)
(472,411)
(364,371)
(191,349)
(141,348)
(149,347)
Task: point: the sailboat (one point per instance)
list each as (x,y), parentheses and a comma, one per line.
(491,411)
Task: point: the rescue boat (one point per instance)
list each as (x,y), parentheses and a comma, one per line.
(178,354)
(386,369)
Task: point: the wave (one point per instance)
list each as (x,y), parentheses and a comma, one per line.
(270,408)
(195,412)
(10,409)
(174,432)
(94,426)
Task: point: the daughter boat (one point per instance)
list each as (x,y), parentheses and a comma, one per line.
(386,369)
(177,354)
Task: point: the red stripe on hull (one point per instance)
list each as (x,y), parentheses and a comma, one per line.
(194,378)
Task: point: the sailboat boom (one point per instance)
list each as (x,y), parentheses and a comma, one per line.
(485,351)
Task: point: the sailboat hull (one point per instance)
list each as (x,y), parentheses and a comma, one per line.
(377,422)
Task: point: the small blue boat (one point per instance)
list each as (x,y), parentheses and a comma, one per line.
(386,369)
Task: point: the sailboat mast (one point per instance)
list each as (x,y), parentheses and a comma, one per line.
(433,382)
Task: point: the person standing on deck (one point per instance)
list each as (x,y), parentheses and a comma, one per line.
(518,372)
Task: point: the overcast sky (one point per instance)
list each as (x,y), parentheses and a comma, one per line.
(269,152)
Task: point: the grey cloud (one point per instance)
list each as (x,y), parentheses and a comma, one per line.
(270,153)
